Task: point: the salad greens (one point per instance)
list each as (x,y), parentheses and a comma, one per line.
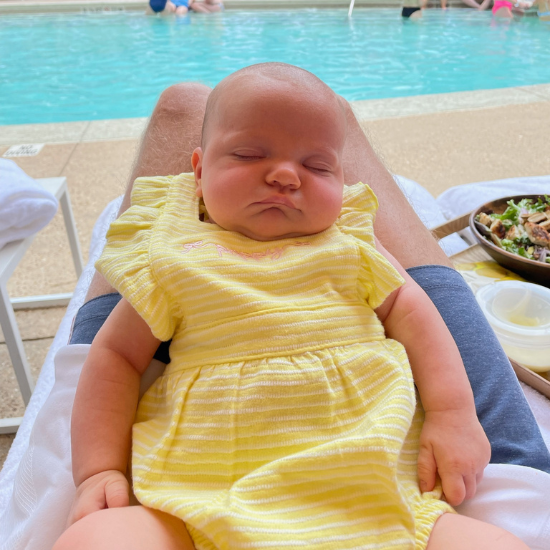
(522,229)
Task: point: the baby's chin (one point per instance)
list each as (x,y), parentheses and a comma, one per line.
(267,231)
(263,234)
(266,236)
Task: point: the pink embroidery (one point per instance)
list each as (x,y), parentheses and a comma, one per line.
(271,253)
(190,246)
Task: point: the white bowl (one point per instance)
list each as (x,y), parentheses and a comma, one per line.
(519,313)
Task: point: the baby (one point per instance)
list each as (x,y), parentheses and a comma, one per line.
(287,416)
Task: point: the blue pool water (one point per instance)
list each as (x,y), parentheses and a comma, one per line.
(62,67)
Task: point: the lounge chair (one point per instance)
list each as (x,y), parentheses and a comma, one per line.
(10,255)
(36,485)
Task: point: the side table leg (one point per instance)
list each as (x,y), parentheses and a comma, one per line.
(15,346)
(71,232)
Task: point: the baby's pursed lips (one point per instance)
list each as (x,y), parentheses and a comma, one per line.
(278,199)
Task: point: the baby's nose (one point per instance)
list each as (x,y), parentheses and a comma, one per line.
(283,174)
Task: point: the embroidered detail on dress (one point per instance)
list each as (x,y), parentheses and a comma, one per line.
(271,253)
(190,246)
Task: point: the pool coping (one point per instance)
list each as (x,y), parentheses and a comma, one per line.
(60,6)
(366,110)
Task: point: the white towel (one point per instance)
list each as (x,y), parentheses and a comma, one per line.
(516,499)
(25,206)
(428,211)
(461,199)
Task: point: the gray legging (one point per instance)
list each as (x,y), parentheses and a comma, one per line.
(501,406)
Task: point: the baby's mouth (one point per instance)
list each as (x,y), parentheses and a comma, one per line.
(279,201)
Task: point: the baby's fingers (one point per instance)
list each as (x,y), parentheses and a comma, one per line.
(470,483)
(84,506)
(454,487)
(427,469)
(117,493)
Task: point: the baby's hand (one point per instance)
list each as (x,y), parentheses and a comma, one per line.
(109,489)
(453,445)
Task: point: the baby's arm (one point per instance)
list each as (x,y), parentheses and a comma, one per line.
(453,443)
(104,410)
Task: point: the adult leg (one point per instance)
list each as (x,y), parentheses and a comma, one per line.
(503,13)
(173,132)
(471,3)
(216,5)
(129,528)
(207,7)
(199,7)
(500,404)
(397,226)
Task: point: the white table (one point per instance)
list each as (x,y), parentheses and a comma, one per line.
(10,255)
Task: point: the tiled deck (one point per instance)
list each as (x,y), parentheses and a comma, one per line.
(439,141)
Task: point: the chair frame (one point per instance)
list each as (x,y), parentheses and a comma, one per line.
(10,255)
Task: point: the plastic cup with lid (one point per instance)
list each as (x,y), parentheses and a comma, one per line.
(519,313)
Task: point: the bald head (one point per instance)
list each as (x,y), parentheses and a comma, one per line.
(272,133)
(270,80)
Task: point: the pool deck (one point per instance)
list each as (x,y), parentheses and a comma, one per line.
(439,141)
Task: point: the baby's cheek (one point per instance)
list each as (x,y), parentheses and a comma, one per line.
(332,208)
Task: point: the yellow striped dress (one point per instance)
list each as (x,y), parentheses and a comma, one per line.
(285,419)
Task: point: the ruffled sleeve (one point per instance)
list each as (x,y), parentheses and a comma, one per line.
(126,260)
(377,276)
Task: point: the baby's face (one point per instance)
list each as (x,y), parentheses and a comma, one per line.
(272,163)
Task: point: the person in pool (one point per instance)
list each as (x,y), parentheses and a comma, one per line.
(505,9)
(482,6)
(287,416)
(182,7)
(543,10)
(413,8)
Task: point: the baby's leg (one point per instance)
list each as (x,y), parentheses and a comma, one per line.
(454,532)
(129,528)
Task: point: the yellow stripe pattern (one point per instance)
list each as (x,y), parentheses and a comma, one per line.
(285,418)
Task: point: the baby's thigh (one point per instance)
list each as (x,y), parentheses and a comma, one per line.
(455,532)
(129,528)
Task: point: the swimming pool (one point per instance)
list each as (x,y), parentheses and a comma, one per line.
(68,67)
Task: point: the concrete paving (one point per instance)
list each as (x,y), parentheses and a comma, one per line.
(439,141)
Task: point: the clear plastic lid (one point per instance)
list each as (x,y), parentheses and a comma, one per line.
(518,311)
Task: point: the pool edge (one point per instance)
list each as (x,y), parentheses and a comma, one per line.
(365,110)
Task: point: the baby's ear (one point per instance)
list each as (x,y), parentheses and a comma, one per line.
(196,162)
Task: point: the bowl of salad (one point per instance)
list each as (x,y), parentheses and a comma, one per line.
(515,232)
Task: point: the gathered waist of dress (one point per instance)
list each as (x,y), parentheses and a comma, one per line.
(273,333)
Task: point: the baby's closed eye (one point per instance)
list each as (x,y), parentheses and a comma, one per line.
(248,154)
